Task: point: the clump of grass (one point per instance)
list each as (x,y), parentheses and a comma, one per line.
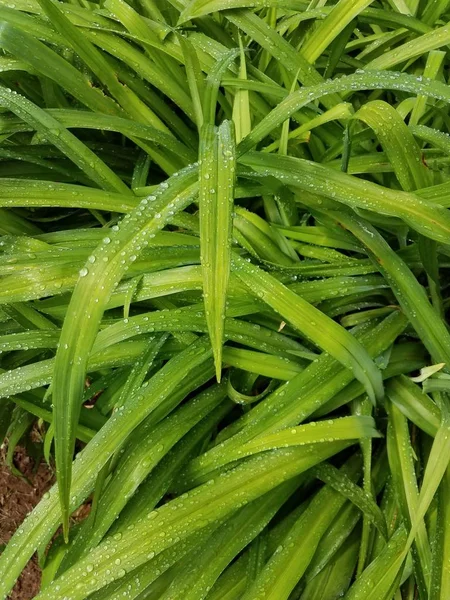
(223,270)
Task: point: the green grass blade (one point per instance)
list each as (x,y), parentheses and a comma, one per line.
(47,516)
(17,192)
(342,484)
(376,580)
(431,70)
(281,50)
(198,575)
(250,480)
(241,104)
(295,552)
(340,16)
(398,143)
(410,294)
(400,454)
(358,81)
(194,77)
(312,323)
(95,61)
(435,469)
(300,397)
(333,581)
(71,118)
(149,445)
(97,280)
(263,364)
(49,63)
(428,219)
(414,404)
(429,41)
(316,432)
(217,174)
(71,146)
(440,578)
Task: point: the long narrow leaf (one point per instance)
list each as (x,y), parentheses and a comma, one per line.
(217,174)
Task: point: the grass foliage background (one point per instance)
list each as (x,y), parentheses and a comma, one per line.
(224,258)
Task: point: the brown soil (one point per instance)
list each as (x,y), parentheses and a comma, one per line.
(17,497)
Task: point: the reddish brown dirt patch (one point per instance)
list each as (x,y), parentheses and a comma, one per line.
(17,498)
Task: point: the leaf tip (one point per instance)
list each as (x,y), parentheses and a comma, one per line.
(218,365)
(65,524)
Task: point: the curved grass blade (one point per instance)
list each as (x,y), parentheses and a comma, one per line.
(147,69)
(278,47)
(212,85)
(27,23)
(358,81)
(17,192)
(410,294)
(199,8)
(398,143)
(321,330)
(150,443)
(428,250)
(194,77)
(193,319)
(412,49)
(341,111)
(343,428)
(428,219)
(260,239)
(39,527)
(433,11)
(185,516)
(71,118)
(65,141)
(158,483)
(300,397)
(333,540)
(437,464)
(377,579)
(263,364)
(291,558)
(13,224)
(414,404)
(96,62)
(205,565)
(342,484)
(97,280)
(334,580)
(126,98)
(46,61)
(21,422)
(147,497)
(431,70)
